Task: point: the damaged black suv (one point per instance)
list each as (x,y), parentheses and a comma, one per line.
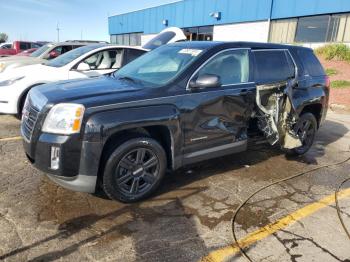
(177,105)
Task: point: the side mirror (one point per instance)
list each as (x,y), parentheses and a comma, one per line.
(83,67)
(205,81)
(53,54)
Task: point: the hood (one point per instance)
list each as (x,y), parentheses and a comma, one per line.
(90,91)
(18,61)
(27,71)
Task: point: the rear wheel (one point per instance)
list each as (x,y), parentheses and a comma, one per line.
(305,128)
(134,170)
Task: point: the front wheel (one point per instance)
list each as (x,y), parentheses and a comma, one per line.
(305,128)
(134,170)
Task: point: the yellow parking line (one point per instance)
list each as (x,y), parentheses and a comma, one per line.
(10,139)
(225,252)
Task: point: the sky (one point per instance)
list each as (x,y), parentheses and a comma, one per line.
(36,20)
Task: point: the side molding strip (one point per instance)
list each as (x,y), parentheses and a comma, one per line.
(216,149)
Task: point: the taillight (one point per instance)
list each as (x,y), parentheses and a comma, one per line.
(328,82)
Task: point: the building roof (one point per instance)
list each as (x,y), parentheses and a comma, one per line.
(189,13)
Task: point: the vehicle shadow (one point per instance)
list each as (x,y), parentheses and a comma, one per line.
(162,228)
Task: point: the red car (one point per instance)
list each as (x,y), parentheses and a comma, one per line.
(18,47)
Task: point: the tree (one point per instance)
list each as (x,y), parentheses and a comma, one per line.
(3,38)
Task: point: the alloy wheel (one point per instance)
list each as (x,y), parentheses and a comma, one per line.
(137,171)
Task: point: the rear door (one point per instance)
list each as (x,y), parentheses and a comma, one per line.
(216,119)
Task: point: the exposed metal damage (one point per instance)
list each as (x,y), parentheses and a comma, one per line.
(276,114)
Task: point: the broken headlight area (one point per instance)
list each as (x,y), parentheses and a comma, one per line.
(276,115)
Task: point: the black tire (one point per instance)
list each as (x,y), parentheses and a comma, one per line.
(134,170)
(20,107)
(306,129)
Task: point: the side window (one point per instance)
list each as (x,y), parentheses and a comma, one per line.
(57,51)
(8,46)
(231,66)
(24,46)
(66,49)
(310,63)
(102,60)
(35,45)
(273,66)
(132,54)
(76,46)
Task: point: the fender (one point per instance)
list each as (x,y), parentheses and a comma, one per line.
(101,126)
(314,95)
(20,102)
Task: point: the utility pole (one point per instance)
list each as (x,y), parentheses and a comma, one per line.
(58,32)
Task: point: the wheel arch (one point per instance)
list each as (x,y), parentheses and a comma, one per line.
(21,98)
(316,110)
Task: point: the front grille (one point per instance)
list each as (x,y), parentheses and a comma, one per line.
(30,116)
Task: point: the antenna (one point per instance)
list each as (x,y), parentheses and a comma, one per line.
(58,32)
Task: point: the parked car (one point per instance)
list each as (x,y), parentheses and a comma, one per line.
(88,61)
(5,45)
(177,105)
(27,52)
(40,56)
(17,47)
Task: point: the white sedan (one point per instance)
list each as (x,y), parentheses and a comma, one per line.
(83,62)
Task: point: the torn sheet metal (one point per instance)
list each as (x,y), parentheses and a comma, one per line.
(276,114)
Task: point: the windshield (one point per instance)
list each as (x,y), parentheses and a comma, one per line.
(160,66)
(41,50)
(68,57)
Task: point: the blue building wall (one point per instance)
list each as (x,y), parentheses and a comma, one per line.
(190,13)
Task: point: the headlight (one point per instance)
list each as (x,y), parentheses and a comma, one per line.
(10,81)
(2,67)
(64,119)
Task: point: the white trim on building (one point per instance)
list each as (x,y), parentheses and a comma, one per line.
(251,32)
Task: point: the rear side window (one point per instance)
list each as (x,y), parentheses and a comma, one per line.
(310,63)
(132,54)
(273,66)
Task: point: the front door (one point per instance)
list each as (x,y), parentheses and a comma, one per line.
(100,63)
(215,121)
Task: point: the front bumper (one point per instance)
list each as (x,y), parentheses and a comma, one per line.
(8,105)
(80,183)
(9,96)
(78,166)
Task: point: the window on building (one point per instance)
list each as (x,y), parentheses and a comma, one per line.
(203,33)
(283,31)
(312,29)
(273,66)
(133,39)
(339,29)
(113,39)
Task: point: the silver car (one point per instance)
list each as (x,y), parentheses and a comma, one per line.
(41,55)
